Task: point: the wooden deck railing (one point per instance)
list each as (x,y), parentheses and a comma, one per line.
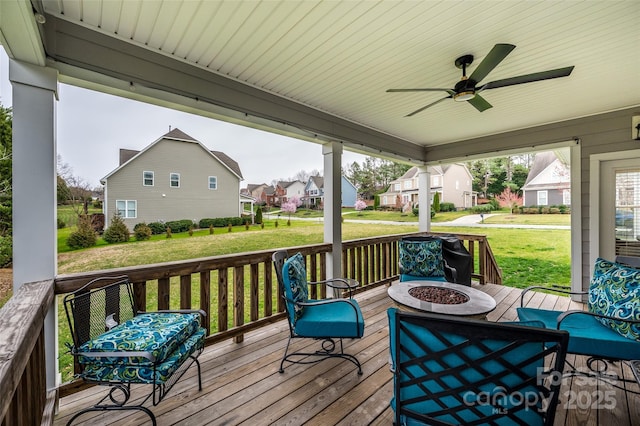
(24,399)
(238,292)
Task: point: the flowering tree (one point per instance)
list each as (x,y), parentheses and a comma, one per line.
(359,206)
(509,199)
(289,207)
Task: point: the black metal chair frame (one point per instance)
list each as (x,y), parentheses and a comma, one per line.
(435,366)
(598,366)
(328,344)
(86,323)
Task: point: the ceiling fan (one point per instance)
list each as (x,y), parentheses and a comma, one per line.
(469,88)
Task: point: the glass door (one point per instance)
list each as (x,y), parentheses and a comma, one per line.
(620,208)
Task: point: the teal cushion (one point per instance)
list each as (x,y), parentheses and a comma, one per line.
(406,277)
(294,275)
(340,318)
(424,351)
(615,291)
(587,336)
(137,373)
(421,258)
(159,333)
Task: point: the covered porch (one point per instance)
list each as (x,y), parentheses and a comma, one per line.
(241,383)
(241,80)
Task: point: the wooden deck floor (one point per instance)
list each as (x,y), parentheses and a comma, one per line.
(241,383)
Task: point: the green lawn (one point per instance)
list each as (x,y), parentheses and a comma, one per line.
(531,219)
(526,256)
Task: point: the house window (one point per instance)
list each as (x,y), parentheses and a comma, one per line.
(174,180)
(407,184)
(436,181)
(147,178)
(566,197)
(213,182)
(457,185)
(542,198)
(396,187)
(127,209)
(384,200)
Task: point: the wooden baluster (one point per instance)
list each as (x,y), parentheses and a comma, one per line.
(164,289)
(238,300)
(254,291)
(268,288)
(185,291)
(223,299)
(205,299)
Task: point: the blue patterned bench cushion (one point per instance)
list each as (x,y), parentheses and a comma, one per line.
(294,275)
(159,333)
(421,258)
(137,373)
(615,291)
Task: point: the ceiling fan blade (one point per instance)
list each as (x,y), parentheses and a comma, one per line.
(421,90)
(493,58)
(480,103)
(528,78)
(425,107)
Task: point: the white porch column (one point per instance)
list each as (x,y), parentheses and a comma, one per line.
(34,188)
(332,206)
(424,195)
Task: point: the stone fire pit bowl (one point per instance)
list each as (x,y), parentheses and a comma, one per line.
(477,305)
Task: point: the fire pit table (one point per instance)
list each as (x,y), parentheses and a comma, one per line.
(442,298)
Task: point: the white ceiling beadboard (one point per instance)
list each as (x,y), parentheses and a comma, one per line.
(341,56)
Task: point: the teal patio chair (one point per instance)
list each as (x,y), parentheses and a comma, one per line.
(327,320)
(610,330)
(434,259)
(457,371)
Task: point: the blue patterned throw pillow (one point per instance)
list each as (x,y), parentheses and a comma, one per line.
(615,291)
(295,277)
(421,258)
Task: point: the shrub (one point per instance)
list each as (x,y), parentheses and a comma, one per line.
(97,204)
(246,225)
(230,226)
(259,216)
(61,223)
(436,202)
(220,222)
(117,232)
(210,229)
(157,228)
(485,208)
(168,232)
(376,202)
(179,225)
(6,251)
(447,207)
(191,231)
(142,232)
(84,236)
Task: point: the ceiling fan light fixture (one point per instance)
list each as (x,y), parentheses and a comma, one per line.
(464,96)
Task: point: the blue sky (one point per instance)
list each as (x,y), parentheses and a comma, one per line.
(93,126)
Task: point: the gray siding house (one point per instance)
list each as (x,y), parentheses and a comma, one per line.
(176,177)
(548,182)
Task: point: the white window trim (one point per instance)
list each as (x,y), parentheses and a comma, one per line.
(171,181)
(546,197)
(126,209)
(209,183)
(153,178)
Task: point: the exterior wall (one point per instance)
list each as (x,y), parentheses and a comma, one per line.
(296,189)
(455,182)
(349,193)
(161,202)
(554,197)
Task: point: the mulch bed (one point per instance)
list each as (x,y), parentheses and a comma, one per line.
(441,295)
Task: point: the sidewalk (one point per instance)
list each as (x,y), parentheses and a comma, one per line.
(471,221)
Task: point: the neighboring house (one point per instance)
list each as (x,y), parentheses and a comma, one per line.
(548,182)
(453,182)
(257,191)
(176,177)
(292,189)
(314,192)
